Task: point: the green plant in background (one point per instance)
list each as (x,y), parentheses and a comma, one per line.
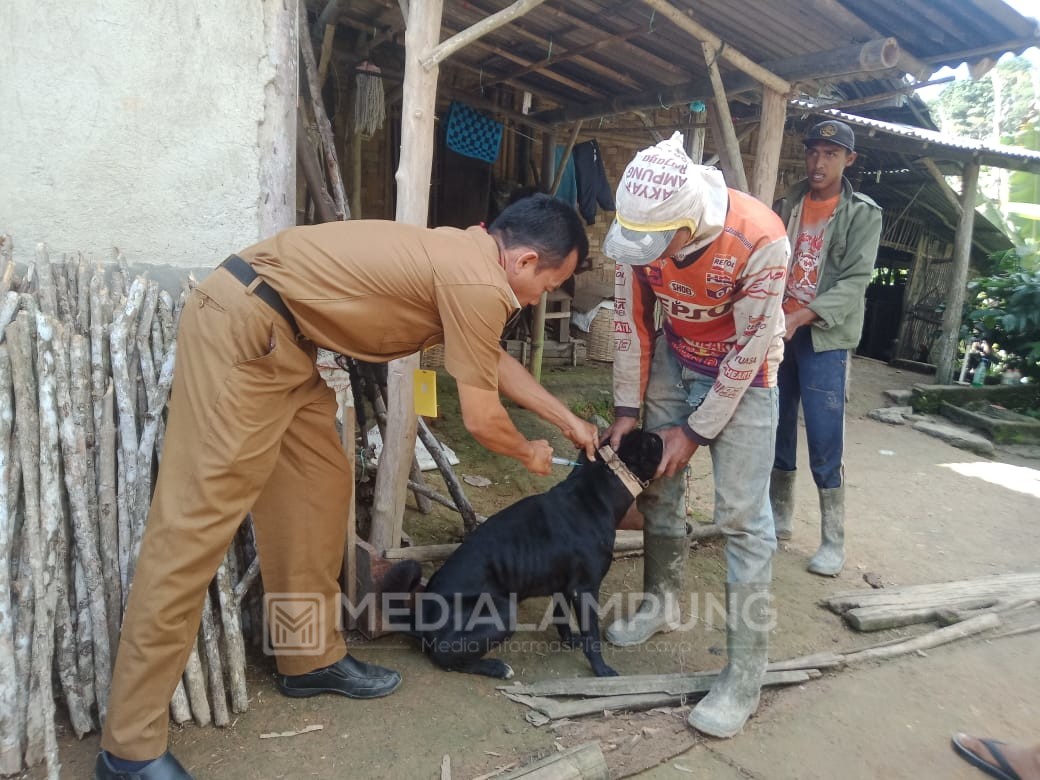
(585,408)
(1006,310)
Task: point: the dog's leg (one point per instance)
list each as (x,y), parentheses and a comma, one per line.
(468,635)
(562,620)
(586,605)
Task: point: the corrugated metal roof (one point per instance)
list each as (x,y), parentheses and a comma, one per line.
(1015,157)
(573,53)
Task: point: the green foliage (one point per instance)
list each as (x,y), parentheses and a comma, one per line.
(966,108)
(1007,309)
(1024,192)
(585,408)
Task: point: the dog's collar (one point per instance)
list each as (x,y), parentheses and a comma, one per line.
(634,484)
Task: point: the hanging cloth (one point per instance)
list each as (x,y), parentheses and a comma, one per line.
(593,187)
(472,134)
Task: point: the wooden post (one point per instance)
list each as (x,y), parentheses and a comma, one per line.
(726,137)
(951,326)
(695,143)
(770,141)
(422,30)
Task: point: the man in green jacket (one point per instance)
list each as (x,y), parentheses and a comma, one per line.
(834,234)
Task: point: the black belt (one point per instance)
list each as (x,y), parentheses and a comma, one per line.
(244,272)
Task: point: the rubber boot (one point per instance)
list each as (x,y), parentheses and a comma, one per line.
(664,560)
(830,558)
(734,696)
(781,499)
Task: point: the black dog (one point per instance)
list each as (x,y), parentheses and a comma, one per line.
(559,543)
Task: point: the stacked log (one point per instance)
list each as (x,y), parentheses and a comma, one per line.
(86,363)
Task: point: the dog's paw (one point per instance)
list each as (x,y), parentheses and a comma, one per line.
(605,671)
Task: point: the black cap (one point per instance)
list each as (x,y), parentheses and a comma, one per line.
(834,131)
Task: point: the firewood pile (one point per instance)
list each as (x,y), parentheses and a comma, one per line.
(86,363)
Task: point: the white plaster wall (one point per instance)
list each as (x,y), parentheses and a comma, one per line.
(166,129)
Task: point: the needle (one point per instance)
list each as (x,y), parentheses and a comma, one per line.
(563,461)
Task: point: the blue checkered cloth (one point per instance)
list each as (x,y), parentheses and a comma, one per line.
(472,134)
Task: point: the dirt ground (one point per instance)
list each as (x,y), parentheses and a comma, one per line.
(911,519)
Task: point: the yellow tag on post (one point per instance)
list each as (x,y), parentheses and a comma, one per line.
(425,392)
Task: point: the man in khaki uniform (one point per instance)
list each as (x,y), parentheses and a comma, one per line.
(252,427)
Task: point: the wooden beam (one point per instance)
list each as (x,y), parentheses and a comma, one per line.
(726,52)
(794,69)
(951,326)
(770,142)
(422,29)
(722,129)
(577,55)
(947,190)
(445,49)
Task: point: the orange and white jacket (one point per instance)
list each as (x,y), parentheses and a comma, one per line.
(722,315)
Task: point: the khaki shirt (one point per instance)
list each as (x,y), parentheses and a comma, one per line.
(378,290)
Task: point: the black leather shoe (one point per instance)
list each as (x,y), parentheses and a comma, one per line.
(347,677)
(165,767)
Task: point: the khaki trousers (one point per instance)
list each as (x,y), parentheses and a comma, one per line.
(251,427)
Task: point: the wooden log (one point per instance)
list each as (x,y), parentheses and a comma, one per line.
(195,685)
(214,665)
(79,484)
(127,429)
(84,636)
(234,646)
(99,354)
(42,743)
(880,618)
(180,710)
(143,341)
(940,636)
(248,579)
(998,586)
(27,449)
(628,685)
(66,661)
(10,742)
(46,294)
(158,396)
(108,524)
(8,309)
(582,762)
(63,295)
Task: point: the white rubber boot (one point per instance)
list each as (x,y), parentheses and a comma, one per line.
(664,561)
(735,694)
(781,500)
(830,558)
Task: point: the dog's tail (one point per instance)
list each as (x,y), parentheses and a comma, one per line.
(399,586)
